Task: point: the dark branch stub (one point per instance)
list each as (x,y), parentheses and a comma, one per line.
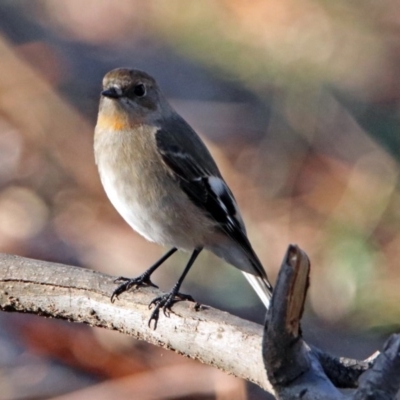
(343,372)
(382,382)
(291,367)
(282,337)
(298,371)
(298,260)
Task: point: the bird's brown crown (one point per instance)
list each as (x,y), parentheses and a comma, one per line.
(126,79)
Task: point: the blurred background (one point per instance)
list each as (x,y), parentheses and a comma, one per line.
(299,104)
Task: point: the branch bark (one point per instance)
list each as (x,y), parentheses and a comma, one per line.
(298,371)
(80,295)
(239,347)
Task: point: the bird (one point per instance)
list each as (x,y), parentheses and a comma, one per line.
(163,181)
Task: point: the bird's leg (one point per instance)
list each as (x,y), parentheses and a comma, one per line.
(142,280)
(166,301)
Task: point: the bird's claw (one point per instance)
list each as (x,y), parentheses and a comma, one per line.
(127,283)
(120,279)
(165,302)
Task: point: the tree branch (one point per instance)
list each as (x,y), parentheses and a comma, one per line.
(383,380)
(214,337)
(80,295)
(298,371)
(292,367)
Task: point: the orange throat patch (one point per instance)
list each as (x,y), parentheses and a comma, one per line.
(112,122)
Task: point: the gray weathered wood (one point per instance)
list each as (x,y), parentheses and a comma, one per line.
(80,295)
(214,337)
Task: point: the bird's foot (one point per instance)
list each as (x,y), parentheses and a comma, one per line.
(165,302)
(127,283)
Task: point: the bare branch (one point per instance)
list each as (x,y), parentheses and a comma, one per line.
(382,382)
(80,295)
(298,371)
(216,338)
(343,372)
(281,338)
(292,368)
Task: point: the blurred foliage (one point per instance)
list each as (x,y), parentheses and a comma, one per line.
(381,121)
(298,102)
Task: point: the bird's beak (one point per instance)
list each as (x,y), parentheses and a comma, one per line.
(111,93)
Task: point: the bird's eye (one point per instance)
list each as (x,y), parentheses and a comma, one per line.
(139,90)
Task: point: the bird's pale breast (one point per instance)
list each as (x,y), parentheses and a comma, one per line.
(145,194)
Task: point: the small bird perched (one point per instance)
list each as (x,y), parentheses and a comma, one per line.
(163,181)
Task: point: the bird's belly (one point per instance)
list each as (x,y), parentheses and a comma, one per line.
(159,217)
(134,208)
